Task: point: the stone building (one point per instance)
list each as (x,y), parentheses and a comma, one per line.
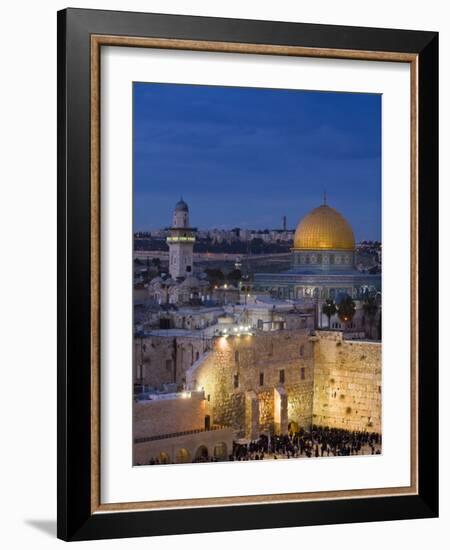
(267,314)
(181,285)
(166,290)
(163,357)
(323,262)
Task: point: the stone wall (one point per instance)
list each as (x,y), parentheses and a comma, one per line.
(258,363)
(327,381)
(347,383)
(162,360)
(168,416)
(268,382)
(185,448)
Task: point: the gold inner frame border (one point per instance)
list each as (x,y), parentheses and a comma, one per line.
(97,41)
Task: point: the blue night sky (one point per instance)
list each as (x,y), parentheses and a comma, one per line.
(244,157)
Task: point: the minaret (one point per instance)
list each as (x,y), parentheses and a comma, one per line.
(181,241)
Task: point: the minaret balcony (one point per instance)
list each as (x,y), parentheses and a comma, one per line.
(181,239)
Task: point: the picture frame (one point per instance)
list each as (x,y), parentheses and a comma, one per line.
(81,36)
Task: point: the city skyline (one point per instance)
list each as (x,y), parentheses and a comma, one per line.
(230,151)
(252,230)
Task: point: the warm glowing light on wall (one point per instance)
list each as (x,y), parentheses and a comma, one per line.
(223,342)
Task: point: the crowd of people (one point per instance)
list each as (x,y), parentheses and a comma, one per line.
(313,443)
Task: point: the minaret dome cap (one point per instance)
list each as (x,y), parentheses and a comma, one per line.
(181,206)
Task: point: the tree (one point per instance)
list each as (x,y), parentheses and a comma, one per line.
(346,310)
(215,276)
(234,276)
(329,309)
(256,246)
(370,308)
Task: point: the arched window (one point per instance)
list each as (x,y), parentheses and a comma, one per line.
(302,350)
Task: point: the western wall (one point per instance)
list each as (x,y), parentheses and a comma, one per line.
(283,380)
(347,383)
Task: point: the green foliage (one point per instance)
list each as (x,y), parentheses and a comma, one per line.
(235,275)
(370,308)
(329,309)
(346,309)
(215,276)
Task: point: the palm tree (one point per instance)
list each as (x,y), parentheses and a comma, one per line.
(370,308)
(346,310)
(329,309)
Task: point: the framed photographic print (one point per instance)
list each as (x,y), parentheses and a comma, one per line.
(247,274)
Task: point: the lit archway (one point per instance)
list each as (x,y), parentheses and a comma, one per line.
(164,458)
(183,456)
(201,453)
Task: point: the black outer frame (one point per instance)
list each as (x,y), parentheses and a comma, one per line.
(75,521)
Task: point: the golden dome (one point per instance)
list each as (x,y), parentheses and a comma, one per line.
(324,229)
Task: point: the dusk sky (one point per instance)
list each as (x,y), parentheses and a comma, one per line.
(244,157)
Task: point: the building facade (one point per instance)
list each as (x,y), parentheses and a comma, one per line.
(323,262)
